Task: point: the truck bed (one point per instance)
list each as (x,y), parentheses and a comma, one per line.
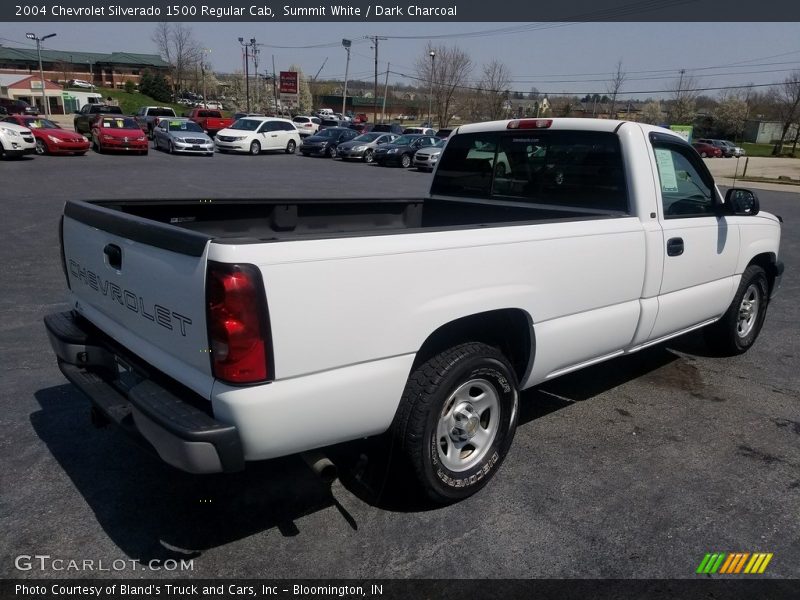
(253,221)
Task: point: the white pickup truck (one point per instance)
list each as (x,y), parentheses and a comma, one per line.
(242,330)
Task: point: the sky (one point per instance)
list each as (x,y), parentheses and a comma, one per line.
(574,58)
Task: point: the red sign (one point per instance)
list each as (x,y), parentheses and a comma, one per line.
(288,82)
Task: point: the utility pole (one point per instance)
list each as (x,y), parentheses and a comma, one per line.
(430,96)
(254,53)
(385,92)
(346,44)
(275,84)
(375,39)
(39,41)
(203,66)
(246,71)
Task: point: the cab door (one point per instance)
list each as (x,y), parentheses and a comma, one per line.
(700,243)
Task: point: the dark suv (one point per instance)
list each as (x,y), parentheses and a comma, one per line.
(17,107)
(90,112)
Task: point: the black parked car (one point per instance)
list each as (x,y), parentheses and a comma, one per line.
(17,107)
(401,151)
(325,141)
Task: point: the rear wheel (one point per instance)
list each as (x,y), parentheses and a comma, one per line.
(739,327)
(405,160)
(255,148)
(456,420)
(291,147)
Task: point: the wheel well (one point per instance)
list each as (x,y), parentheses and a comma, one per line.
(767,262)
(508,329)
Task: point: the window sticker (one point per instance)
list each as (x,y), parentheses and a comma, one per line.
(666,170)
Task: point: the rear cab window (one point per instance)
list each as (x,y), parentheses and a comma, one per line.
(565,169)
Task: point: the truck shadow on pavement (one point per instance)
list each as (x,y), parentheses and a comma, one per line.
(152,511)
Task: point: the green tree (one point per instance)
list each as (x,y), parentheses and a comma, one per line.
(130,87)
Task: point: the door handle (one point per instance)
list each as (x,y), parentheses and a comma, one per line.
(674,246)
(113,256)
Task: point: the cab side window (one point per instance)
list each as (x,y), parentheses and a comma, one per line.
(686,187)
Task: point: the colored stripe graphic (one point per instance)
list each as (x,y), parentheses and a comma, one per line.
(733,563)
(726,566)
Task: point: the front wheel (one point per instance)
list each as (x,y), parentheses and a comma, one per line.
(41,147)
(456,420)
(333,152)
(291,147)
(405,160)
(369,157)
(739,327)
(255,148)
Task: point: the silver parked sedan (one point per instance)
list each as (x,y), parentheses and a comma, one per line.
(182,135)
(363,146)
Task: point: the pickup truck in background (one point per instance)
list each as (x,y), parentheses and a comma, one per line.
(236,331)
(211,121)
(149,116)
(86,116)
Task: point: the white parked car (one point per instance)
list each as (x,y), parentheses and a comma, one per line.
(81,83)
(258,134)
(306,125)
(15,140)
(212,105)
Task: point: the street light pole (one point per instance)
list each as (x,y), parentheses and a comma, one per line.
(430,96)
(203,65)
(346,44)
(39,41)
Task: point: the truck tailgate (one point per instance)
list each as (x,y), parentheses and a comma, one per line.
(142,283)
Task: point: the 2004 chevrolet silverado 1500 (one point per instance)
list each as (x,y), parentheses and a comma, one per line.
(237,331)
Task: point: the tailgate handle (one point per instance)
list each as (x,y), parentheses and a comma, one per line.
(113,256)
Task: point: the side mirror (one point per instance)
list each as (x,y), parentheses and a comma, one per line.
(742,202)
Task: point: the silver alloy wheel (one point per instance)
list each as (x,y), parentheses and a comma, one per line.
(368,156)
(255,148)
(40,147)
(748,311)
(468,425)
(405,160)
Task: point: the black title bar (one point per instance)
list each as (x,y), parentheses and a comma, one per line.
(677,11)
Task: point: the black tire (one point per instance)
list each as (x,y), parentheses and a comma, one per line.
(405,161)
(41,147)
(429,415)
(500,170)
(703,155)
(255,148)
(333,152)
(171,147)
(291,147)
(739,327)
(369,157)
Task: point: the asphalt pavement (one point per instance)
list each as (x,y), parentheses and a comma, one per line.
(633,468)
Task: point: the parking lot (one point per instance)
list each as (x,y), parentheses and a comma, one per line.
(632,468)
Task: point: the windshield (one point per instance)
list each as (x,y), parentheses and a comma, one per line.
(185,126)
(367,137)
(327,133)
(119,123)
(41,124)
(439,144)
(246,125)
(404,140)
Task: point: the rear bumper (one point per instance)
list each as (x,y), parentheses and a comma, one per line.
(182,434)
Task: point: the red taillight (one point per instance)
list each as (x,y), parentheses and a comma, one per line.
(529,124)
(238,324)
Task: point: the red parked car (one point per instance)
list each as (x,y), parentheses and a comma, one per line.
(707,150)
(118,133)
(50,138)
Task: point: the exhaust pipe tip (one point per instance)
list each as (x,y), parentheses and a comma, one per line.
(321,465)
